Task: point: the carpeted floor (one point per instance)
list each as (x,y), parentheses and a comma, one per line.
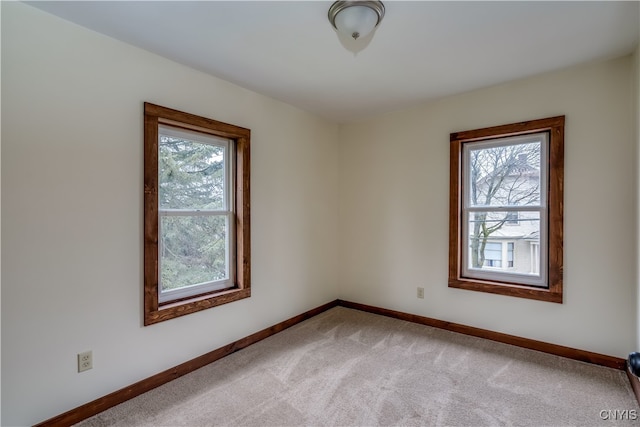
(350,368)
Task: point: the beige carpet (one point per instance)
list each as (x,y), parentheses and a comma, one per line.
(349,368)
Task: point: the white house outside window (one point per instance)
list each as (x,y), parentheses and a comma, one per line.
(493,254)
(498,255)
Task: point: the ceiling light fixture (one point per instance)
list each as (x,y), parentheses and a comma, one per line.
(356,18)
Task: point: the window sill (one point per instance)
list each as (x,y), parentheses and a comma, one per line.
(192,305)
(520,291)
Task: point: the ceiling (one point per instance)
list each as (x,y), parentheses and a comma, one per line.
(421,50)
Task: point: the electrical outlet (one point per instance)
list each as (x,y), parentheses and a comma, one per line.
(421,293)
(85,361)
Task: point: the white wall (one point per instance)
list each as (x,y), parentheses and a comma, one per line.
(394,182)
(72,213)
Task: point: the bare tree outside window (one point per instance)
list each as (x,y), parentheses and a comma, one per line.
(501,176)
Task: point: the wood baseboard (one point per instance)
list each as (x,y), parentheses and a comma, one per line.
(103,403)
(558,350)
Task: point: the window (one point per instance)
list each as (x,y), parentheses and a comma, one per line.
(510,255)
(493,255)
(196,193)
(503,176)
(512,218)
(498,254)
(508,175)
(195,242)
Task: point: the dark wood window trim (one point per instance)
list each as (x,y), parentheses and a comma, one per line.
(154,116)
(555,127)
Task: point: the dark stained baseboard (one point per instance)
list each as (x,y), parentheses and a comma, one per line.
(635,384)
(103,403)
(558,350)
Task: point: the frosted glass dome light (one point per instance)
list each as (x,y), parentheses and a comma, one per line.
(356,18)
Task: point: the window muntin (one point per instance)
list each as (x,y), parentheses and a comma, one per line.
(504,176)
(195,209)
(531,206)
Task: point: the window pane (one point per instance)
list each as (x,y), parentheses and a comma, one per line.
(493,254)
(488,236)
(193,250)
(504,175)
(512,218)
(510,254)
(191,174)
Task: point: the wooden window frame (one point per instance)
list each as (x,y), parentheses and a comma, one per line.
(155,115)
(555,210)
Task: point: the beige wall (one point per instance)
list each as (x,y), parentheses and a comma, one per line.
(374,194)
(72,213)
(394,192)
